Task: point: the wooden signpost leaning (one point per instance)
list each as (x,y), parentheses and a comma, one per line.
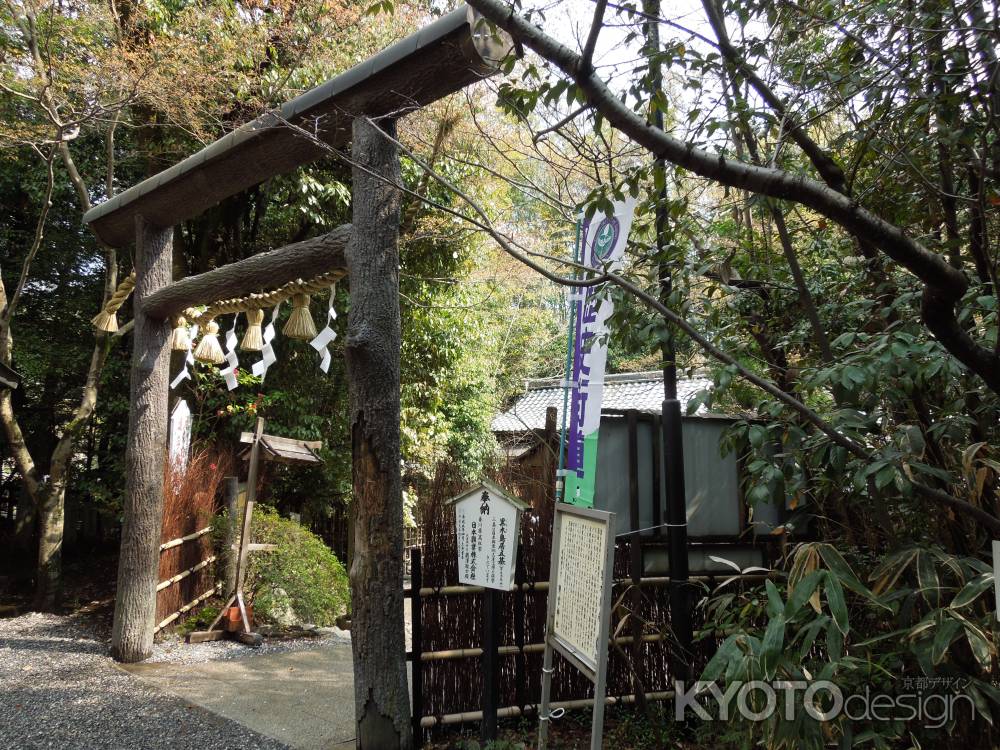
(579,612)
(280,449)
(487,527)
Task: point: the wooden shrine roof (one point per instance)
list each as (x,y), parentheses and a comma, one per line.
(8,377)
(285,450)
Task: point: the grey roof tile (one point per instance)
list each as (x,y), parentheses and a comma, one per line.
(641,390)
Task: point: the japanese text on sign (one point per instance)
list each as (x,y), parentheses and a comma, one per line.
(486,535)
(582,558)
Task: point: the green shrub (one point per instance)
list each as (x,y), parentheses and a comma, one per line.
(302,573)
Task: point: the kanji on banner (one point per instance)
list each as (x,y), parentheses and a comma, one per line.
(603,240)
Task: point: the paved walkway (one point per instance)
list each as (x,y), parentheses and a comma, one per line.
(304,699)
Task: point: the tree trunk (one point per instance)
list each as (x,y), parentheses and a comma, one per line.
(138,564)
(51,521)
(381,697)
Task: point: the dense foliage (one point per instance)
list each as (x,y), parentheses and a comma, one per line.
(300,580)
(822,226)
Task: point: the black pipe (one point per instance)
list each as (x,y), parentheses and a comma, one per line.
(417,667)
(680,600)
(492,613)
(673,448)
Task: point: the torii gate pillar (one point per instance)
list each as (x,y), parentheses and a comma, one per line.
(138,564)
(373,342)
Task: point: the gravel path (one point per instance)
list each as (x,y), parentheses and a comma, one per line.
(59,689)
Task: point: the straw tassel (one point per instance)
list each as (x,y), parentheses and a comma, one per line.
(208,349)
(300,323)
(253,339)
(106,320)
(180,339)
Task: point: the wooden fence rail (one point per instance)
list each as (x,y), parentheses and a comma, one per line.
(428,722)
(186,608)
(189,538)
(429,591)
(185,573)
(175,579)
(528,648)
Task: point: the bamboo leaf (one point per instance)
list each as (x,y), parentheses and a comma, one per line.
(972,591)
(980,647)
(718,663)
(838,605)
(774,639)
(802,593)
(947,632)
(775,604)
(927,578)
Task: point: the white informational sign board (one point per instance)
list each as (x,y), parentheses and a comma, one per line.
(487,525)
(579,611)
(180,435)
(579,600)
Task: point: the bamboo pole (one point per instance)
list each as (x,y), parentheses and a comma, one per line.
(428,591)
(184,574)
(189,538)
(428,722)
(529,648)
(186,608)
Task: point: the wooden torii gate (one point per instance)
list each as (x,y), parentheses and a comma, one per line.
(449,54)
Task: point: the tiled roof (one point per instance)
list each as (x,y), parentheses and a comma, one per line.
(636,390)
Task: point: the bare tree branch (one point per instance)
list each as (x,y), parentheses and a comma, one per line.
(595,31)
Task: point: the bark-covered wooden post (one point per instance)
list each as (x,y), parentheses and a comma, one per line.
(138,565)
(382,706)
(232,535)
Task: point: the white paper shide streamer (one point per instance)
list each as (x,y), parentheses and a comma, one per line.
(327,336)
(180,437)
(233,362)
(184,374)
(268,357)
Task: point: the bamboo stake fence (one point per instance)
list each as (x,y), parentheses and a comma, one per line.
(184,574)
(447,618)
(181,539)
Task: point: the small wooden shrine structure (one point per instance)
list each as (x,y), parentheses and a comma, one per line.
(274,448)
(9,379)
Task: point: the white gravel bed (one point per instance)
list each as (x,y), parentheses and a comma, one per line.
(60,689)
(173,650)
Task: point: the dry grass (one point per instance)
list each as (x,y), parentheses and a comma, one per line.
(190,499)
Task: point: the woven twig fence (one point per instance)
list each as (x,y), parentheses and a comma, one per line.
(451,625)
(187,572)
